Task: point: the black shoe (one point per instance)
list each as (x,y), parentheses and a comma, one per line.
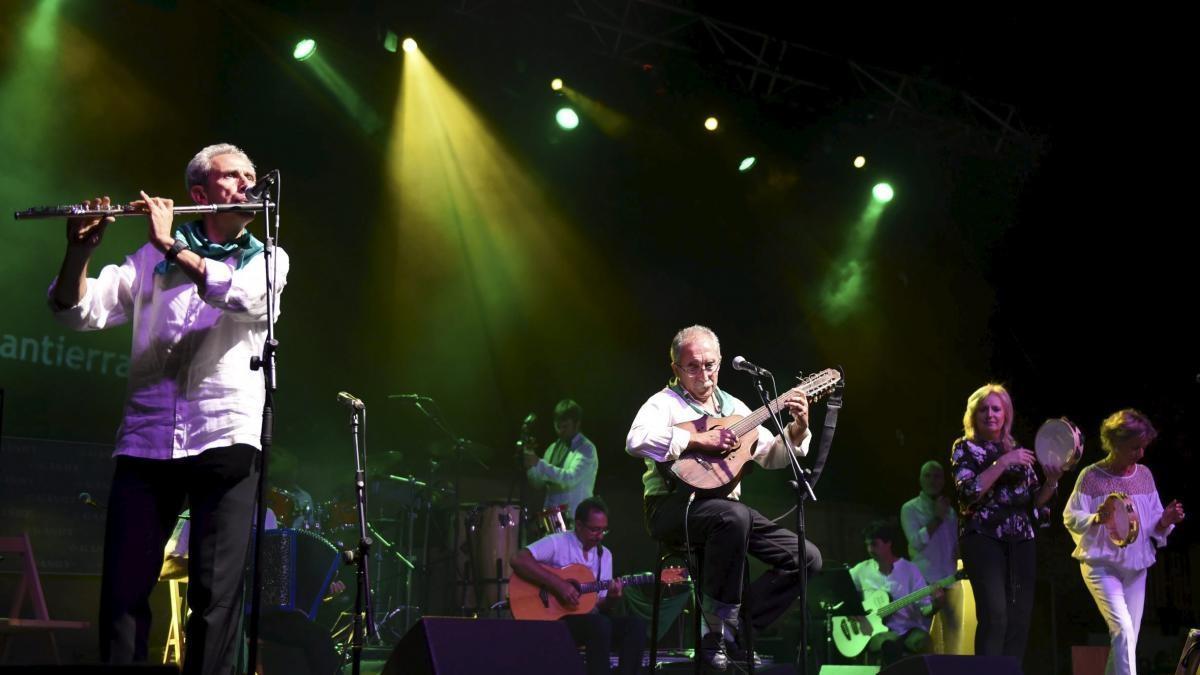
(712,651)
(736,653)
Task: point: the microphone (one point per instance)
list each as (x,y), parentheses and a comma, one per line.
(742,364)
(529,419)
(256,192)
(412,397)
(350,400)
(86,499)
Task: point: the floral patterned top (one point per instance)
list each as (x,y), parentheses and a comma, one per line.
(1006,511)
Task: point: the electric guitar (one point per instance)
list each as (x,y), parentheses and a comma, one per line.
(531,602)
(717,474)
(852,633)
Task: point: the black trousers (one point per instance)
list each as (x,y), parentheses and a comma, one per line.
(600,633)
(1002,576)
(729,530)
(146,499)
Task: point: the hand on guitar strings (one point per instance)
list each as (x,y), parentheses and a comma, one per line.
(566,592)
(796,402)
(713,441)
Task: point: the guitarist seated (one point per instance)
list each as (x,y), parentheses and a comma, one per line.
(907,630)
(596,630)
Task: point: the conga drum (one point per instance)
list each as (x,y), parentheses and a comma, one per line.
(488,531)
(953,629)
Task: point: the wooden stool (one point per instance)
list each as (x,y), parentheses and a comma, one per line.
(174,572)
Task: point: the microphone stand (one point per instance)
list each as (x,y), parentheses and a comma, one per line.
(360,556)
(267,363)
(803,490)
(459,447)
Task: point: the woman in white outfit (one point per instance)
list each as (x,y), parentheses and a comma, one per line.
(1116,575)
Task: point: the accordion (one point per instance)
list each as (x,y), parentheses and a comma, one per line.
(297,568)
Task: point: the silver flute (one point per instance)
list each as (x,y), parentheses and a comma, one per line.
(82,211)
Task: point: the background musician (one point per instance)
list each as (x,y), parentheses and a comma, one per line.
(908,629)
(597,630)
(568,469)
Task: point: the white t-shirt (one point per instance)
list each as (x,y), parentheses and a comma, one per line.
(564,548)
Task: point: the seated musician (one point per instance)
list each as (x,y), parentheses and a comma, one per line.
(908,629)
(597,630)
(726,528)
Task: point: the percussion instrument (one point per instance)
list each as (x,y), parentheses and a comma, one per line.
(553,519)
(1123,523)
(490,530)
(291,509)
(1058,443)
(953,628)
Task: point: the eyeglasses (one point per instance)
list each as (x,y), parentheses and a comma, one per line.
(594,530)
(694,369)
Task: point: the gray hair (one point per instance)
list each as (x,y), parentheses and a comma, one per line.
(689,334)
(201,164)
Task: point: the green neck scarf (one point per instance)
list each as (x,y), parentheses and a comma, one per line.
(724,401)
(244,248)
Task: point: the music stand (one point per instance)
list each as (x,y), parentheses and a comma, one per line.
(833,593)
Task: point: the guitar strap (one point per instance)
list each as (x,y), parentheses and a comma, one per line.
(832,405)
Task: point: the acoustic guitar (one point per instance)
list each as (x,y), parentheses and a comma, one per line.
(717,474)
(531,602)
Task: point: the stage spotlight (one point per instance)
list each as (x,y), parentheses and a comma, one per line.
(566,118)
(409,45)
(747,164)
(556,84)
(304,49)
(882,192)
(391,42)
(860,162)
(711,124)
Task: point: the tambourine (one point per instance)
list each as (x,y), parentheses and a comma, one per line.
(1123,523)
(1058,443)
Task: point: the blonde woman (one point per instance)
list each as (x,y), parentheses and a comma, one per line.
(1116,575)
(1000,495)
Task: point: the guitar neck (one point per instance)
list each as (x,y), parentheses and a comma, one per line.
(814,387)
(627,580)
(897,605)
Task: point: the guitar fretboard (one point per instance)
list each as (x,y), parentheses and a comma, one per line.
(897,605)
(627,580)
(813,386)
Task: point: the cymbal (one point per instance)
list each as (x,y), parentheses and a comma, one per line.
(447,449)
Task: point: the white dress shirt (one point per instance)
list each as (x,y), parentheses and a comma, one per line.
(190,383)
(573,480)
(933,553)
(655,437)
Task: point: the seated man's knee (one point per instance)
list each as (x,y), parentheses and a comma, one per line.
(813,555)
